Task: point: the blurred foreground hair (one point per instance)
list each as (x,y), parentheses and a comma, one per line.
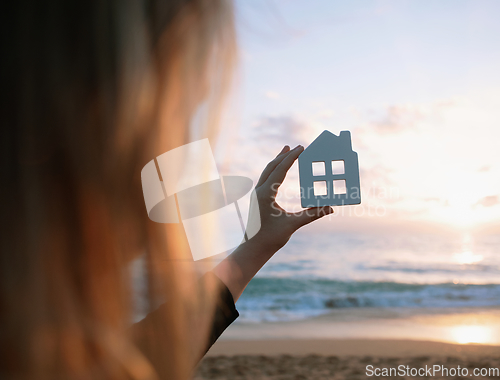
(91,91)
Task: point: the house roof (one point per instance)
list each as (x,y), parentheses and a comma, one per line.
(327,140)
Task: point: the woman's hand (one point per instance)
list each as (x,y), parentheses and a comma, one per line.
(277,226)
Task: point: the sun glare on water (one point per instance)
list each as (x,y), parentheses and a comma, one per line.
(468,257)
(472,334)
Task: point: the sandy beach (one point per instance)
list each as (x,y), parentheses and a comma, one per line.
(350,347)
(361,343)
(348,358)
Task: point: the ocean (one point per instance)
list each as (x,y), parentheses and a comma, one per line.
(315,274)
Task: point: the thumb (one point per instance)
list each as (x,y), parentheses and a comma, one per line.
(311,214)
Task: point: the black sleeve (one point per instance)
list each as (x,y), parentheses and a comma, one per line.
(225,311)
(224,314)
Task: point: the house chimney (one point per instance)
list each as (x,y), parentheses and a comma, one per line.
(345,137)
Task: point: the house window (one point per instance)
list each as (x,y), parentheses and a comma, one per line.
(319,188)
(339,187)
(338,167)
(318,168)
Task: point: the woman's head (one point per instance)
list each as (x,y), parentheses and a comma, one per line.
(93,90)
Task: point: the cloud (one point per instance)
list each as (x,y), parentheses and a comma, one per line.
(326,114)
(488,201)
(262,140)
(280,130)
(272,95)
(398,118)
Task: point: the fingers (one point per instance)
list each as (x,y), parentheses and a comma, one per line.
(272,165)
(278,175)
(285,149)
(311,214)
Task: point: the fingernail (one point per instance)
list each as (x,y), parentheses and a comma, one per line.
(298,147)
(283,150)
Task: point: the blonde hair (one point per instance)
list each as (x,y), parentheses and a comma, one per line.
(95,90)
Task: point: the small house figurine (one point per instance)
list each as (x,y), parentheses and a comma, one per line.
(329,172)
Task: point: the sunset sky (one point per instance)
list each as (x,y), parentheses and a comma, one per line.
(417,84)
